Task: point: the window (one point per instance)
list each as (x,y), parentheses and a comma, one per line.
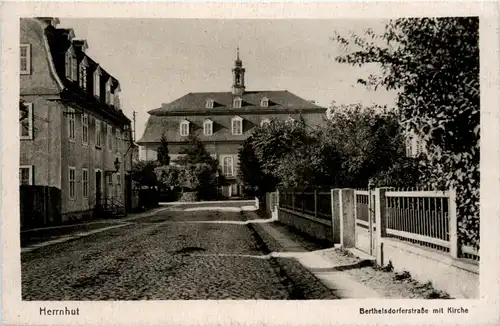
(83,75)
(237,103)
(26,121)
(184,128)
(26,174)
(264,102)
(71,65)
(97,86)
(265,122)
(71,124)
(118,183)
(85,128)
(72,182)
(25,56)
(110,137)
(118,140)
(85,182)
(108,92)
(209,104)
(208,128)
(98,133)
(227,166)
(236,125)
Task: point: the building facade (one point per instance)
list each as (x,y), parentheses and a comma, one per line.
(222,121)
(73,133)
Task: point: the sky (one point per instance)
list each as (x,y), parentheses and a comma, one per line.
(160,60)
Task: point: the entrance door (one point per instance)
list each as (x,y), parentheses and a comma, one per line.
(98,188)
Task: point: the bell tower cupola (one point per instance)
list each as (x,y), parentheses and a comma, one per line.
(238,75)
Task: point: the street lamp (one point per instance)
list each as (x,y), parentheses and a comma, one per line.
(217,182)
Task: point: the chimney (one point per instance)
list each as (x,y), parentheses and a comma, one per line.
(67,32)
(81,45)
(49,21)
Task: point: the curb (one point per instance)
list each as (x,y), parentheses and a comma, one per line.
(300,282)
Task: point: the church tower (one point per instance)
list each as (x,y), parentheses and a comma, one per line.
(238,76)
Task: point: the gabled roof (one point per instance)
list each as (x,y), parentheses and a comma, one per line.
(193,102)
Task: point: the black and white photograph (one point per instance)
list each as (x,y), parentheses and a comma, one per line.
(227,159)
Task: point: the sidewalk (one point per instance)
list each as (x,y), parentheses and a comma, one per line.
(41,237)
(325,264)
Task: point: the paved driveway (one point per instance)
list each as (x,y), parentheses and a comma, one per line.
(192,254)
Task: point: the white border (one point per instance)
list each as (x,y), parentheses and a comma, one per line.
(484,311)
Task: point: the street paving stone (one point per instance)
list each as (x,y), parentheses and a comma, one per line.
(157,259)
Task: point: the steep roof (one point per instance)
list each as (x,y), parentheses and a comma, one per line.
(223,100)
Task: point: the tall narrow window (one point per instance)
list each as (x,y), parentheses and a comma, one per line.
(71,124)
(118,140)
(26,121)
(97,85)
(184,128)
(72,182)
(108,91)
(85,128)
(98,133)
(25,56)
(110,137)
(83,75)
(208,127)
(237,126)
(237,103)
(209,104)
(67,65)
(26,175)
(85,182)
(227,166)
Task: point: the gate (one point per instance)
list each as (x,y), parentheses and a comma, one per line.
(365,221)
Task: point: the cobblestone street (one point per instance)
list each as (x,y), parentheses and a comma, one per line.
(170,255)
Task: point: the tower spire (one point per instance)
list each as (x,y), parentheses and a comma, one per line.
(238,75)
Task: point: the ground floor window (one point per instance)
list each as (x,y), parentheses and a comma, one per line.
(72,182)
(85,183)
(26,175)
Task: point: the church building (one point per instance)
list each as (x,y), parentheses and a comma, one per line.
(222,121)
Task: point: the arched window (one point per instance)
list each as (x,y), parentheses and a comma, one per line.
(264,102)
(237,126)
(184,128)
(237,103)
(209,104)
(208,127)
(227,166)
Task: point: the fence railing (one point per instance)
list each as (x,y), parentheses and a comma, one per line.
(424,217)
(362,207)
(316,203)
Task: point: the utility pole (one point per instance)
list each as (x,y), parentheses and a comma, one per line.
(134,123)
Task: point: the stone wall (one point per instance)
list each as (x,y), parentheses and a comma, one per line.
(315,227)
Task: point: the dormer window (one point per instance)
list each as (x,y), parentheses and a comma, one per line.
(71,65)
(264,102)
(237,103)
(97,84)
(265,122)
(237,126)
(108,92)
(208,127)
(83,74)
(184,128)
(209,104)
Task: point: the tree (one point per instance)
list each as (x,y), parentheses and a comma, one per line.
(255,181)
(163,154)
(368,140)
(167,175)
(433,64)
(143,173)
(271,143)
(198,169)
